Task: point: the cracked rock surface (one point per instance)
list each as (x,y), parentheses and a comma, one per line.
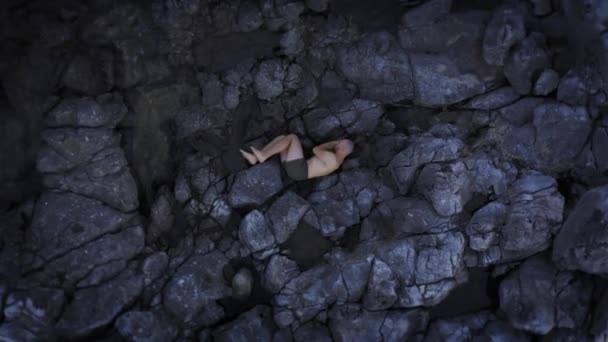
(474,206)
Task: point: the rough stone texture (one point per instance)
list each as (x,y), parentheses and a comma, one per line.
(279,271)
(351,322)
(405,216)
(254,232)
(422,150)
(253,325)
(90,75)
(581,86)
(34,311)
(550,140)
(139,326)
(483,229)
(493,99)
(521,112)
(95,307)
(482,326)
(432,72)
(269,79)
(106,177)
(424,275)
(527,58)
(192,292)
(127,212)
(69,147)
(64,221)
(378,66)
(535,214)
(285,214)
(312,331)
(85,112)
(537,297)
(84,266)
(381,291)
(561,132)
(426,13)
(580,244)
(505,29)
(546,83)
(360,116)
(256,185)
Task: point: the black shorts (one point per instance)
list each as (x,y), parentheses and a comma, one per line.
(296,169)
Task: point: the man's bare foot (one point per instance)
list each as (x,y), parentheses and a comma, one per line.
(258,154)
(252,159)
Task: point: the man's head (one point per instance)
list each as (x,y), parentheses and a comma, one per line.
(344,148)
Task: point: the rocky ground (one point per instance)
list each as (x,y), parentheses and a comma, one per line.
(475,206)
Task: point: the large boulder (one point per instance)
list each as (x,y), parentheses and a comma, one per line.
(191,293)
(378,66)
(96,307)
(256,185)
(538,298)
(581,242)
(65,221)
(351,322)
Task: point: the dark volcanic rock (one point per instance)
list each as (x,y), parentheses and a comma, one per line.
(505,29)
(253,325)
(484,225)
(269,79)
(256,185)
(92,264)
(86,112)
(405,216)
(90,74)
(581,242)
(34,311)
(279,271)
(254,232)
(482,326)
(351,322)
(127,212)
(139,326)
(378,66)
(561,132)
(192,292)
(433,72)
(64,221)
(426,13)
(546,83)
(582,86)
(420,151)
(95,307)
(67,148)
(106,177)
(535,214)
(537,297)
(424,275)
(527,59)
(551,140)
(285,214)
(312,331)
(493,99)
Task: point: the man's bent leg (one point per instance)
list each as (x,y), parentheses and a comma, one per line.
(277,145)
(294,151)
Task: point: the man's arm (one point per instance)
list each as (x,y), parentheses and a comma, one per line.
(324,154)
(326,146)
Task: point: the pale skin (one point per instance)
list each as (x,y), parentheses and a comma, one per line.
(328,157)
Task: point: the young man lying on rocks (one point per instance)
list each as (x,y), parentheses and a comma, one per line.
(327,157)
